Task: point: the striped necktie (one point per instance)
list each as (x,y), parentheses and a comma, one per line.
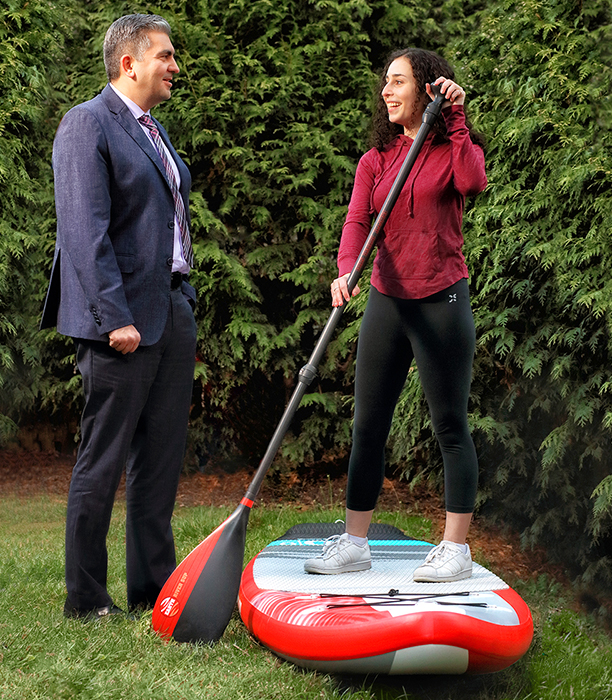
(179,207)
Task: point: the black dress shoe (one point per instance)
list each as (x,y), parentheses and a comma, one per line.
(107,611)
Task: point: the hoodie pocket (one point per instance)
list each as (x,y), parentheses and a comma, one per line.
(409,254)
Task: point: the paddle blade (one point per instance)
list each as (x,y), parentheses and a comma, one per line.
(197,601)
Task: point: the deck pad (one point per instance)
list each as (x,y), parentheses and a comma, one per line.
(280,566)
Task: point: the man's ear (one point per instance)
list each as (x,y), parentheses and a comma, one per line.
(127,66)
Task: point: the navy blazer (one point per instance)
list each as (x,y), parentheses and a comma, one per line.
(115,225)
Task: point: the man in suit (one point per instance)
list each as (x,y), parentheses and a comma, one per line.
(119,288)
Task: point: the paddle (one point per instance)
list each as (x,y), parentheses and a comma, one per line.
(197,601)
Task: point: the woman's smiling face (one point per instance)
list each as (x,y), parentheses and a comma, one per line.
(405,104)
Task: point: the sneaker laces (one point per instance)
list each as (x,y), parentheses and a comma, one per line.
(438,551)
(329,544)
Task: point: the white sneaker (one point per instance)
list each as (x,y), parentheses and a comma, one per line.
(339,556)
(446,562)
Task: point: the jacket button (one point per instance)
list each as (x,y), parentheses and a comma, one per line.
(171,224)
(169,262)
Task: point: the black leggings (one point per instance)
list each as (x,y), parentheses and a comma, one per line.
(438,332)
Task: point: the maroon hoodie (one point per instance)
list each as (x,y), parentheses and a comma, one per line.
(419,251)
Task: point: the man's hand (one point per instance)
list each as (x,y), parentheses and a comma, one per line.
(124,340)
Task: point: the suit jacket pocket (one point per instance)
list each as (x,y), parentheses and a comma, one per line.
(125,262)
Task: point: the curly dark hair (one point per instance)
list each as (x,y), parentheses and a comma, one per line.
(427,67)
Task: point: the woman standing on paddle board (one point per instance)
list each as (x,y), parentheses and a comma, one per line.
(418,307)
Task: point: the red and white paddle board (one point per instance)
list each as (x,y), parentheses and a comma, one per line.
(380,620)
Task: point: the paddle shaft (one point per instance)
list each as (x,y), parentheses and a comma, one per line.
(309,370)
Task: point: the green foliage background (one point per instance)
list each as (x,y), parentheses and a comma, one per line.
(271,113)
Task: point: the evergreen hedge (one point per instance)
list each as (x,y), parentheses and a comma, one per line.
(271,112)
(539,248)
(542,255)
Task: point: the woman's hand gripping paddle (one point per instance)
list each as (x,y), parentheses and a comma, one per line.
(197,601)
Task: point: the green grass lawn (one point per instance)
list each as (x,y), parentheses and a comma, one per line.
(43,655)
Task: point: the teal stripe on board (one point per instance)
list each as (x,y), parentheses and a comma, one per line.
(373,543)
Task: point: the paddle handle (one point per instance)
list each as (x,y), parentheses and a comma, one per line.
(309,370)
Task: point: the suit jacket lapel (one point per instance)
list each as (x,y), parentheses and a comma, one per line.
(126,120)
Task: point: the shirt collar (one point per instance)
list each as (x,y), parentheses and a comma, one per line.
(136,111)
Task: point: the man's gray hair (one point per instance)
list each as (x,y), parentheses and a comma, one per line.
(130,35)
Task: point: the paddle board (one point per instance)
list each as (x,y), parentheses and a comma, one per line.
(379,620)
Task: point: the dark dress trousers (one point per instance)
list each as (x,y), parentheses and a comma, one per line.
(112,268)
